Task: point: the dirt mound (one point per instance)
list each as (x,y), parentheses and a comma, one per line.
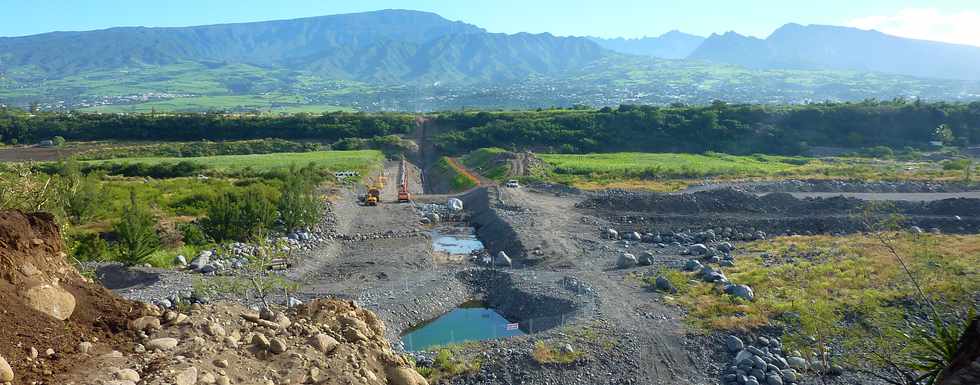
(322,342)
(36,281)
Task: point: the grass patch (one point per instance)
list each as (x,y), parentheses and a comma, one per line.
(482,161)
(459,179)
(448,364)
(847,290)
(669,172)
(545,353)
(361,161)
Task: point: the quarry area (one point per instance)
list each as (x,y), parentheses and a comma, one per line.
(593,287)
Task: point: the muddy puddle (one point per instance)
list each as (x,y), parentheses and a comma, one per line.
(471,321)
(455,239)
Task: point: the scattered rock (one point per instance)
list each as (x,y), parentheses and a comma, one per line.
(697,249)
(325,343)
(145,323)
(502,259)
(693,265)
(51,300)
(741,291)
(84,347)
(734,344)
(162,344)
(646,259)
(796,363)
(6,372)
(128,375)
(278,346)
(260,341)
(404,376)
(626,260)
(612,234)
(663,284)
(186,377)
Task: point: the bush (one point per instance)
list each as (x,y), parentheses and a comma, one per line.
(58,140)
(81,195)
(240,216)
(956,164)
(91,247)
(193,234)
(137,237)
(298,205)
(882,152)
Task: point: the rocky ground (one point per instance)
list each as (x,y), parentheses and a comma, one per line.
(572,267)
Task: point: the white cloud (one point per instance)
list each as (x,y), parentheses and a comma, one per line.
(928,24)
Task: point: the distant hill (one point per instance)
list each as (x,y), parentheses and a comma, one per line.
(671,45)
(382,46)
(795,46)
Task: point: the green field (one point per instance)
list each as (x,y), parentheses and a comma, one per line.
(360,161)
(264,103)
(671,171)
(671,165)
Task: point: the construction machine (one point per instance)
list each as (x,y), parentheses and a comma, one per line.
(403,195)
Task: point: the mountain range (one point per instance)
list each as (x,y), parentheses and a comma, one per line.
(326,56)
(671,45)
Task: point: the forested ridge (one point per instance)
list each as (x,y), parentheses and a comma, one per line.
(731,128)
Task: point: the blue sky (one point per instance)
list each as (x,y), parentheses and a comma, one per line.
(946,20)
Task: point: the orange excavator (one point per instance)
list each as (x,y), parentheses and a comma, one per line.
(403,195)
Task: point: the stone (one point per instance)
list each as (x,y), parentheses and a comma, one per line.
(398,375)
(789,375)
(293,302)
(612,234)
(207,378)
(751,381)
(223,380)
(180,260)
(325,343)
(664,284)
(780,362)
(6,372)
(725,247)
(186,377)
(693,265)
(455,204)
(128,375)
(145,323)
(635,236)
(743,292)
(84,347)
(743,356)
(49,352)
(697,249)
(162,344)
(646,259)
(278,346)
(283,321)
(260,341)
(51,300)
(758,363)
(625,261)
(835,370)
(221,363)
(214,329)
(267,314)
(774,379)
(502,259)
(201,261)
(566,349)
(796,363)
(734,344)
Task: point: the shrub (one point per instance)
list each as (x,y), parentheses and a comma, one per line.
(58,140)
(236,215)
(883,152)
(81,195)
(137,237)
(193,234)
(545,353)
(91,247)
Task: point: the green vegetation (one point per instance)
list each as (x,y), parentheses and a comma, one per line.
(196,149)
(847,291)
(135,229)
(674,171)
(729,128)
(545,353)
(240,215)
(483,162)
(447,365)
(360,161)
(459,179)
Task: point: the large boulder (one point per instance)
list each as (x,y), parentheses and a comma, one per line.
(693,265)
(697,249)
(502,259)
(612,234)
(663,284)
(734,344)
(625,261)
(741,291)
(51,300)
(399,375)
(6,372)
(455,204)
(645,259)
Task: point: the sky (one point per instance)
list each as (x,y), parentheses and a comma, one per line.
(956,21)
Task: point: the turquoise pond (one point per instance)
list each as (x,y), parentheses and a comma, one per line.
(472,321)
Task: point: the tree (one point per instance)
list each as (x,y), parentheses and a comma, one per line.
(58,140)
(137,236)
(298,205)
(240,216)
(944,134)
